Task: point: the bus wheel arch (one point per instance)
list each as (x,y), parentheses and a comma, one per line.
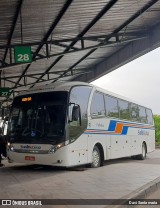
(145,145)
(142,156)
(97,156)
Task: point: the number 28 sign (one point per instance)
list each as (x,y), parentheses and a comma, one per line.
(22,54)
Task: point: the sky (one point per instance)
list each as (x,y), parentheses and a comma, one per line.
(138,80)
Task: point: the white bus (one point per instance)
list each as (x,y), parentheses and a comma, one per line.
(75,123)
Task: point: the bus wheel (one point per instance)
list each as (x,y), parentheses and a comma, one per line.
(96,158)
(144,152)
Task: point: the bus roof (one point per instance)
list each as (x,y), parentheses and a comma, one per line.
(66,86)
(58,86)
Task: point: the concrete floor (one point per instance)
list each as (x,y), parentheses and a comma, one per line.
(115,180)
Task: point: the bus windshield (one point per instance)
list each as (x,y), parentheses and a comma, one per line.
(38,118)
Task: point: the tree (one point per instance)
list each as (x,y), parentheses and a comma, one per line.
(157,128)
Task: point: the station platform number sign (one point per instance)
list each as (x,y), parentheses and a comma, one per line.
(22,54)
(4,91)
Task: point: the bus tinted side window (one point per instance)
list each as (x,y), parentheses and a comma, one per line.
(149,116)
(111,106)
(134,111)
(124,109)
(80,96)
(142,115)
(97,105)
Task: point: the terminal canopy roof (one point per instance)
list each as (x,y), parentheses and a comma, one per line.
(65,39)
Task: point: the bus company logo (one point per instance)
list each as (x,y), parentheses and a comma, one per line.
(143,132)
(31,147)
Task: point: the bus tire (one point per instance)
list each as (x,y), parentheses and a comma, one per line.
(144,152)
(96,158)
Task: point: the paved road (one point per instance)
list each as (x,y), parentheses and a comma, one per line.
(116,179)
(152,197)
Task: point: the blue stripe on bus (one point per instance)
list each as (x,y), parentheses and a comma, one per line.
(119,128)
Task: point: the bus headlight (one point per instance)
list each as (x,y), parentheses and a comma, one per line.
(54,148)
(10,147)
(59,145)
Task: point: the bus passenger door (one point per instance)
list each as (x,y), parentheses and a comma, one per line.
(108,147)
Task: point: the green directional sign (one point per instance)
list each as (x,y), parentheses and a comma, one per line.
(22,54)
(4,91)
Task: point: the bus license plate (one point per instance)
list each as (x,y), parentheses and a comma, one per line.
(31,158)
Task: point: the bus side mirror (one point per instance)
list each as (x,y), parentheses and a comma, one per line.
(75,113)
